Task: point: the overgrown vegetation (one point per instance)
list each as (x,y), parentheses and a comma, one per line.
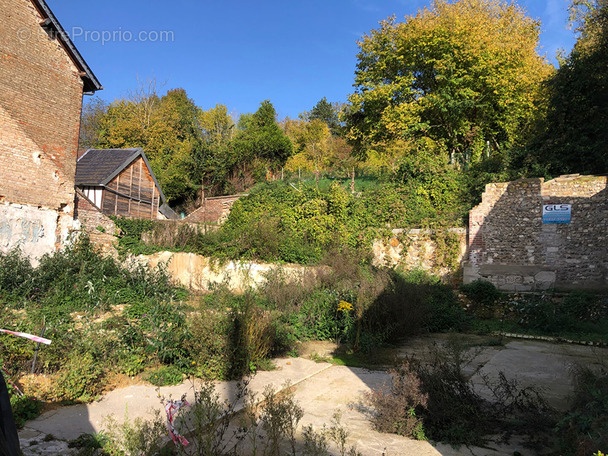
(578,315)
(99,314)
(104,316)
(433,398)
(584,429)
(266,425)
(299,223)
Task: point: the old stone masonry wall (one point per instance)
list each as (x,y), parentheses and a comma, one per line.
(512,245)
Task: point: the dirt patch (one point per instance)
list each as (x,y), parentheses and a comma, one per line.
(116,380)
(317,348)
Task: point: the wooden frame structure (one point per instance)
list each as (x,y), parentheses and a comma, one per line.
(121,182)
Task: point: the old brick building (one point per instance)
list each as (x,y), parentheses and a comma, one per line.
(42,80)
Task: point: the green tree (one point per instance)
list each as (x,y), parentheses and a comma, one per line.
(173,137)
(90,122)
(261,138)
(120,128)
(211,163)
(460,78)
(313,142)
(328,113)
(216,124)
(168,130)
(574,138)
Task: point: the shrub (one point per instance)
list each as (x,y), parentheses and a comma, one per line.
(396,405)
(164,376)
(210,344)
(286,293)
(134,438)
(413,301)
(584,428)
(454,412)
(280,415)
(165,332)
(207,421)
(24,407)
(277,222)
(253,336)
(481,292)
(130,237)
(81,380)
(435,396)
(319,318)
(583,305)
(16,277)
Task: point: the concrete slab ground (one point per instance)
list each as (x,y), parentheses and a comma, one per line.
(323,388)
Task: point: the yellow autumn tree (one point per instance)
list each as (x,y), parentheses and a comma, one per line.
(463,76)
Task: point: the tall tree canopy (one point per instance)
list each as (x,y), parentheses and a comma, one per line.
(168,130)
(328,113)
(261,137)
(458,78)
(92,114)
(574,136)
(211,164)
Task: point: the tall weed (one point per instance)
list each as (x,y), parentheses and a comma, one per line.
(433,398)
(584,429)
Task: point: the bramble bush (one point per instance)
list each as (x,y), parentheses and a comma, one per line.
(297,224)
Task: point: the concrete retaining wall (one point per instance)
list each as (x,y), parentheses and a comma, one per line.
(411,249)
(199,273)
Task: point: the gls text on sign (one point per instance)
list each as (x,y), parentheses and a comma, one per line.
(557,213)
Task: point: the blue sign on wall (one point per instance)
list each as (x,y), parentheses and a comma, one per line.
(557,213)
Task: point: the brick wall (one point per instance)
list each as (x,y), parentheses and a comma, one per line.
(510,245)
(40,103)
(215,210)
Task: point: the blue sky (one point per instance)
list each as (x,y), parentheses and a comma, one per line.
(239,53)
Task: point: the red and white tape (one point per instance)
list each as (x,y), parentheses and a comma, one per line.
(38,339)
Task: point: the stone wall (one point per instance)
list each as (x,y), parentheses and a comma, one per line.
(40,102)
(419,249)
(510,245)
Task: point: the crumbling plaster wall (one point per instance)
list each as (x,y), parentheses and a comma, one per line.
(201,273)
(31,229)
